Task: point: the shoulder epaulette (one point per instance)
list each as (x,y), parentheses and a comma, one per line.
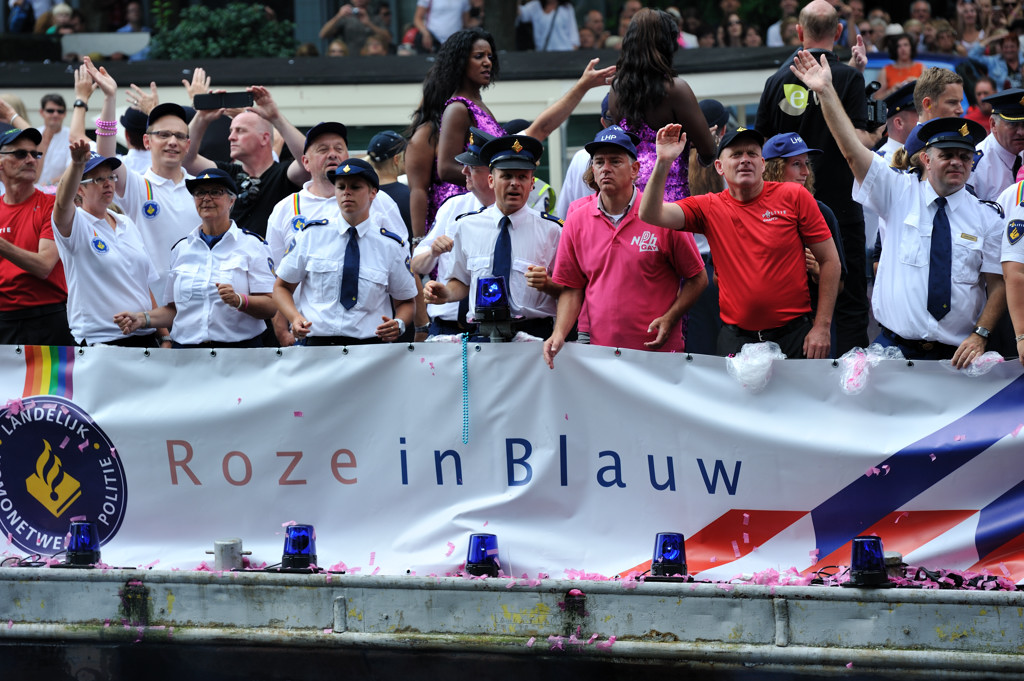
(472,212)
(175,245)
(553,218)
(311,223)
(252,233)
(392,235)
(994,206)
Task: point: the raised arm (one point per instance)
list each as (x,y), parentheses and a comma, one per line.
(11,117)
(559,112)
(265,107)
(686,110)
(67,187)
(194,162)
(817,76)
(670,142)
(106,145)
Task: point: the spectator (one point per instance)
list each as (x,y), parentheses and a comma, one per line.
(629,8)
(337,48)
(387,156)
(752,36)
(904,67)
(33,294)
(307,50)
(138,159)
(786,106)
(588,41)
(47,21)
(56,140)
(1003,68)
(945,39)
(787,8)
(692,20)
(999,159)
(595,22)
(867,32)
(687,40)
(227,312)
(914,29)
(731,31)
(968,24)
(475,17)
(790,32)
(374,47)
(921,10)
(981,111)
(133,15)
(437,20)
(707,36)
(24,14)
(554,24)
(880,33)
(354,25)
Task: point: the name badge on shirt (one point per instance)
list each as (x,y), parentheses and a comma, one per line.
(968,237)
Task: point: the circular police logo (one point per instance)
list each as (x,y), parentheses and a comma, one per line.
(1014,231)
(298,223)
(150,209)
(99,245)
(56,464)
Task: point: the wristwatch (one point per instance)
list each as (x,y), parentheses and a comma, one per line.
(982,331)
(81,103)
(401,326)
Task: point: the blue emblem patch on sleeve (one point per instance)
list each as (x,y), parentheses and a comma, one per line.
(1014,231)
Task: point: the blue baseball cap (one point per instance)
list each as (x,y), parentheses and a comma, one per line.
(471,156)
(212,176)
(323,129)
(714,113)
(613,135)
(95,161)
(786,145)
(355,166)
(914,143)
(902,99)
(385,145)
(11,135)
(167,109)
(738,135)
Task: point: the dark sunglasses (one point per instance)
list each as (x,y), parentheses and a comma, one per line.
(53,111)
(22,154)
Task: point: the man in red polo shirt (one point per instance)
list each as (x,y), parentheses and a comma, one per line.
(638,280)
(33,295)
(757,231)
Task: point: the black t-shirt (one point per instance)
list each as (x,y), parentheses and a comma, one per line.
(256,200)
(400,193)
(787,106)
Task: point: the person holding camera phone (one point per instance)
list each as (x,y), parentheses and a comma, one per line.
(353,24)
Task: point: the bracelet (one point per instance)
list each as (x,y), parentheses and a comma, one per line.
(147,319)
(415,241)
(243,302)
(106,125)
(423,329)
(100,132)
(16,114)
(1019,338)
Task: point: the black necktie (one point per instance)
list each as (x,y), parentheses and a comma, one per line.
(1017,160)
(350,273)
(940,262)
(503,252)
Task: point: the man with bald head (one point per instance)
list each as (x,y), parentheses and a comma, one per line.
(787,106)
(261,180)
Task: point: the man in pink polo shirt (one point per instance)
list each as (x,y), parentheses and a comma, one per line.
(639,280)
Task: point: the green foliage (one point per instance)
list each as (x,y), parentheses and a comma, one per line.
(236,31)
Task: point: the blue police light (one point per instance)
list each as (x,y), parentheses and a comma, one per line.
(83,543)
(669,555)
(482,557)
(867,563)
(491,292)
(299,547)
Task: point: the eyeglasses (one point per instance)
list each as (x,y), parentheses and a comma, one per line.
(54,111)
(167,134)
(102,179)
(212,193)
(22,154)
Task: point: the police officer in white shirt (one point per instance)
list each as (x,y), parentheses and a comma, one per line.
(940,245)
(435,248)
(999,155)
(352,270)
(221,279)
(508,239)
(1012,202)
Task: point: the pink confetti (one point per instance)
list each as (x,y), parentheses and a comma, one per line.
(329,578)
(14,407)
(567,417)
(735,548)
(1016,431)
(724,587)
(375,570)
(150,565)
(373,556)
(814,553)
(607,644)
(485,522)
(958,438)
(1003,568)
(593,637)
(901,515)
(239,400)
(451,549)
(106,623)
(289,523)
(298,414)
(422,360)
(64,409)
(849,665)
(328,630)
(575,592)
(746,518)
(872,471)
(113,452)
(10,624)
(746,538)
(82,446)
(533,639)
(713,559)
(885,467)
(932,457)
(557,642)
(78,518)
(65,442)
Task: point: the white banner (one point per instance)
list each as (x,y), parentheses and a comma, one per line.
(575,470)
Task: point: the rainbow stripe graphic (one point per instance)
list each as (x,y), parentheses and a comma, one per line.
(48,370)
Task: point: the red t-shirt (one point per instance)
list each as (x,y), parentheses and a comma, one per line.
(23,225)
(758,250)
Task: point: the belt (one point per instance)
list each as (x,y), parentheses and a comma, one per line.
(147,340)
(340,340)
(918,345)
(32,312)
(251,343)
(770,334)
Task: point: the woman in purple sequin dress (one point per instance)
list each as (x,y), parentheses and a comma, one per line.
(647,95)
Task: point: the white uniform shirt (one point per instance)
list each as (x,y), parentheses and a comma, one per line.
(317,263)
(534,242)
(444,223)
(994,170)
(163,211)
(293,211)
(137,160)
(1013,232)
(871,218)
(241,259)
(108,271)
(57,157)
(573,186)
(900,297)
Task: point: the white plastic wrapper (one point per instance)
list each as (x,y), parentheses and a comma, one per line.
(855,365)
(979,367)
(752,367)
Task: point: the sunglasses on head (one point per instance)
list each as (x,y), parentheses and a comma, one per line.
(22,154)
